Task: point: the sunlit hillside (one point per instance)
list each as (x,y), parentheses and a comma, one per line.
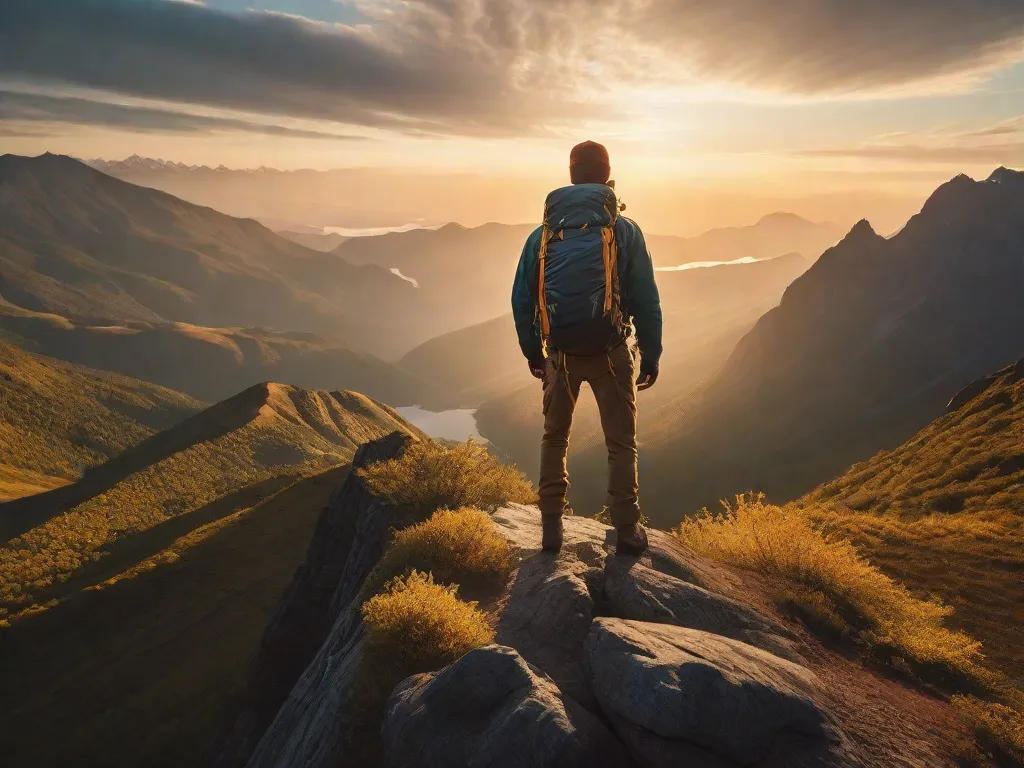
(211,363)
(58,420)
(944,512)
(209,467)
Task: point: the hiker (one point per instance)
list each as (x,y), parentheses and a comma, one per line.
(585,281)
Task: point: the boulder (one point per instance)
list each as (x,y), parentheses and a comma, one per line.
(552,598)
(491,708)
(669,688)
(634,591)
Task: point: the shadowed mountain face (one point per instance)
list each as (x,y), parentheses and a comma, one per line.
(706,312)
(866,348)
(211,363)
(942,512)
(57,420)
(81,244)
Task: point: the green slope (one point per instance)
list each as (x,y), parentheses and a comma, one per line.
(944,512)
(209,467)
(57,420)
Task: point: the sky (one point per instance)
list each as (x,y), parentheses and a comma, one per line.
(756,98)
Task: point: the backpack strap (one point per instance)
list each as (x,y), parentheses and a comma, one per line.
(610,254)
(542,302)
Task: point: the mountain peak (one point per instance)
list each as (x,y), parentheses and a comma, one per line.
(862,232)
(782,217)
(1003,175)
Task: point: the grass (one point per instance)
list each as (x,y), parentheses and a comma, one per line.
(416,625)
(192,472)
(457,548)
(58,419)
(834,584)
(944,514)
(430,476)
(998,728)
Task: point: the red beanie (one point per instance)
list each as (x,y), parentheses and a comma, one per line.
(589,163)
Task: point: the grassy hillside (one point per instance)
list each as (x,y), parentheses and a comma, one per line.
(944,513)
(80,244)
(211,363)
(57,420)
(139,671)
(205,469)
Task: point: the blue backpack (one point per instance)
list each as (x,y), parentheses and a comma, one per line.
(578,280)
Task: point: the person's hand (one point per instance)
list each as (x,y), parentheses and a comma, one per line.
(646,379)
(536,369)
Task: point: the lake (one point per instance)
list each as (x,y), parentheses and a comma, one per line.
(458,424)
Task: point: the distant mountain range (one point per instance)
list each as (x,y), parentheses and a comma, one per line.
(865,349)
(210,363)
(108,274)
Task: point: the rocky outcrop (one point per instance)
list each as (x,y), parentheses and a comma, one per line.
(668,687)
(665,660)
(492,708)
(635,591)
(1009,375)
(315,627)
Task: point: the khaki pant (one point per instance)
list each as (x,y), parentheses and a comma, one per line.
(611,377)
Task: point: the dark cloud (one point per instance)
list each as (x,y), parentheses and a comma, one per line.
(830,46)
(495,66)
(413,77)
(31,114)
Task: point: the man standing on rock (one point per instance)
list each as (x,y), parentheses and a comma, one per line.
(585,281)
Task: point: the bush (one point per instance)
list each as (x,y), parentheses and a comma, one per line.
(782,542)
(415,625)
(998,728)
(430,476)
(457,548)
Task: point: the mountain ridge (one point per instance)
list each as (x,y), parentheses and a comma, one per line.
(931,308)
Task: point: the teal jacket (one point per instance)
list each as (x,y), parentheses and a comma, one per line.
(639,294)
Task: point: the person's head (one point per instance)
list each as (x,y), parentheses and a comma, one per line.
(589,164)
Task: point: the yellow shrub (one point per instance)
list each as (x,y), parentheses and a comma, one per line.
(415,625)
(782,542)
(430,476)
(997,727)
(457,548)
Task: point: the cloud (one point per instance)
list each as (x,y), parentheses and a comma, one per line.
(501,67)
(999,144)
(34,114)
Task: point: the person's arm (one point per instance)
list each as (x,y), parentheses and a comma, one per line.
(641,301)
(524,304)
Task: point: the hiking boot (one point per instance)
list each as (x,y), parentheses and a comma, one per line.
(631,540)
(552,538)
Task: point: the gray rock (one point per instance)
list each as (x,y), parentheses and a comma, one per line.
(491,708)
(551,601)
(686,685)
(634,591)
